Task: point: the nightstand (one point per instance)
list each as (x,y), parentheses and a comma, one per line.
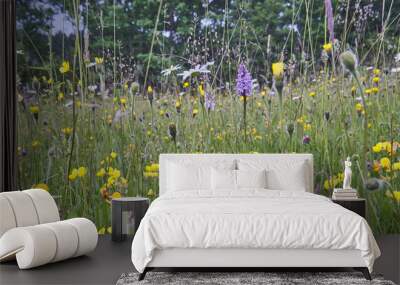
(358,205)
(127,212)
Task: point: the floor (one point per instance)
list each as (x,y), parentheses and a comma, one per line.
(103,266)
(110,260)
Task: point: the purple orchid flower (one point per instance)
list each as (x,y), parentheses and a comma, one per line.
(243,81)
(329,17)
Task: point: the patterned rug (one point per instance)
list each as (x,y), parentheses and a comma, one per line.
(243,278)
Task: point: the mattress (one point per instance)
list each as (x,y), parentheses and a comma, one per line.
(250,219)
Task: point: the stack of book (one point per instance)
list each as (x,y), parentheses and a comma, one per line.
(343,194)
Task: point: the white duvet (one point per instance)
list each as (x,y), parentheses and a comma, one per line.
(250,219)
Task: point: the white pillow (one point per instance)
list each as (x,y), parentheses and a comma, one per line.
(223,179)
(281,174)
(292,179)
(188,177)
(251,178)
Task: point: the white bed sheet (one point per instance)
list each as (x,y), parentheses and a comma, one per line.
(252,218)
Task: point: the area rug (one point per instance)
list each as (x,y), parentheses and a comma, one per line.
(243,278)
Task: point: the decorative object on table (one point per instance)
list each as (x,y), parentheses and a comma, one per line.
(357,205)
(127,212)
(344,194)
(32,233)
(347,174)
(248,278)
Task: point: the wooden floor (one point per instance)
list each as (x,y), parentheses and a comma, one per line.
(110,260)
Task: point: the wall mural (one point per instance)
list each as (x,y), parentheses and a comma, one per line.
(105,86)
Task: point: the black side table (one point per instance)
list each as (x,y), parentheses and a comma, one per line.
(357,205)
(126,213)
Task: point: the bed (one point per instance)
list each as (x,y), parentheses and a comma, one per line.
(247,211)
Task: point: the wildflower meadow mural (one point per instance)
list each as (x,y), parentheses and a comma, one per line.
(105,86)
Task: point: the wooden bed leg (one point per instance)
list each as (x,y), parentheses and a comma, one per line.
(364,271)
(142,275)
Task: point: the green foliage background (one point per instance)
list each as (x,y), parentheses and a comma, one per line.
(138,39)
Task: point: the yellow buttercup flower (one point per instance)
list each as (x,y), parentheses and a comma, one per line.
(113,154)
(376,79)
(393,194)
(377,148)
(101,172)
(375,90)
(123,101)
(307,127)
(396,166)
(73,175)
(186,84)
(116,195)
(110,181)
(149,89)
(327,47)
(300,120)
(384,146)
(99,60)
(64,68)
(34,109)
(101,231)
(60,96)
(67,131)
(277,70)
(82,171)
(151,170)
(154,167)
(359,107)
(114,173)
(385,163)
(376,71)
(42,186)
(311,94)
(194,112)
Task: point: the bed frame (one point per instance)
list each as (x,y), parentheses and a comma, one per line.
(249,259)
